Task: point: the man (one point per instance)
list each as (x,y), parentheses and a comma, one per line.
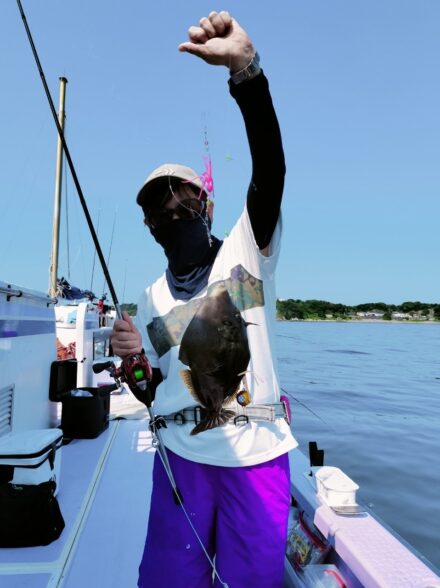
(214,311)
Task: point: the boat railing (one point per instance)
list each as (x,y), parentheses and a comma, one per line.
(21,293)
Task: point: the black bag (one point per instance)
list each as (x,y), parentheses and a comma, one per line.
(29,515)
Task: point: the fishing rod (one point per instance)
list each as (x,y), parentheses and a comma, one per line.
(70,163)
(136,369)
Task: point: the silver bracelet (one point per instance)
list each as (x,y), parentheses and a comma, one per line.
(247,73)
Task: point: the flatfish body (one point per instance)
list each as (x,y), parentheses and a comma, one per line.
(215,348)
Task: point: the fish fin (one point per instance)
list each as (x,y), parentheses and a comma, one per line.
(188,381)
(213,420)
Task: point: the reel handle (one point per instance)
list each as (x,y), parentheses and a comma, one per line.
(100,367)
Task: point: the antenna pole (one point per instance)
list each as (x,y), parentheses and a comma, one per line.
(53,270)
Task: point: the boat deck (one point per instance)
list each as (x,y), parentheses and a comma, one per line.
(104,496)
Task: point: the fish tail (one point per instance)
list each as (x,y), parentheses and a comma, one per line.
(213,420)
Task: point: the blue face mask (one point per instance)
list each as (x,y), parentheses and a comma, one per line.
(191,251)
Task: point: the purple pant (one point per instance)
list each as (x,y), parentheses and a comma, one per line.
(240,513)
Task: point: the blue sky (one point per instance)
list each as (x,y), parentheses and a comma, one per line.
(357,91)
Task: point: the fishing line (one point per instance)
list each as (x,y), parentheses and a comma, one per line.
(94,254)
(207,182)
(206,177)
(110,249)
(125,281)
(202,218)
(306,407)
(211,562)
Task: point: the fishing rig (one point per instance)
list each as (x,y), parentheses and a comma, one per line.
(135,370)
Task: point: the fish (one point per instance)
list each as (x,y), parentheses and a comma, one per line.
(215,347)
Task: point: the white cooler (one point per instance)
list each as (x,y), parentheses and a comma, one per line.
(34,455)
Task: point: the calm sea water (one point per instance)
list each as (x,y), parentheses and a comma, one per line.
(369,394)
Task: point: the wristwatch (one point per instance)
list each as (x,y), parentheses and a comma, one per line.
(249,72)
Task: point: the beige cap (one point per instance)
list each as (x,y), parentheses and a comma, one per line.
(161,177)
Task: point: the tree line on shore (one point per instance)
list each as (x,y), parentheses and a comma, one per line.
(321,309)
(291,309)
(131,308)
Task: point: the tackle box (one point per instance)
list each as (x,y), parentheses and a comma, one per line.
(31,457)
(85,411)
(85,416)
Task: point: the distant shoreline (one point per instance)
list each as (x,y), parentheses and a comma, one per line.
(409,311)
(357,321)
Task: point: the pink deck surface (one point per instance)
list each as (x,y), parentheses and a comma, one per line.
(374,555)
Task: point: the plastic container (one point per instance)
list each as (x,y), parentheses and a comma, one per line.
(85,411)
(335,487)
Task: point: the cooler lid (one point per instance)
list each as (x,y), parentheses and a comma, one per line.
(29,444)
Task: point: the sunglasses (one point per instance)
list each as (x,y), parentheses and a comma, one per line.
(187,209)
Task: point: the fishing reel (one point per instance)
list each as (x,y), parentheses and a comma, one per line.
(135,370)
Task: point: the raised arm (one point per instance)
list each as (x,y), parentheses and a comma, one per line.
(268,167)
(220,40)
